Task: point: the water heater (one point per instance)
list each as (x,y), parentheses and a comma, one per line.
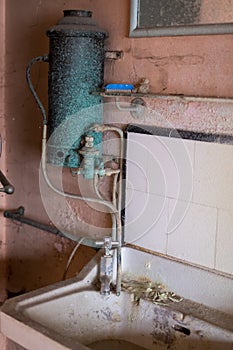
(76,69)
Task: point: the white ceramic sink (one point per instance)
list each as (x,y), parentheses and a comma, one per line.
(73,315)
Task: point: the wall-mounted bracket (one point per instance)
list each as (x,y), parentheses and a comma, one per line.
(7,187)
(140,105)
(113,55)
(136,107)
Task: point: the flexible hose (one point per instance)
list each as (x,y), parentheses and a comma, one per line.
(71,257)
(44,58)
(114,189)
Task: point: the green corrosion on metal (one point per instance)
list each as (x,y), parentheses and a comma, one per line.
(76,69)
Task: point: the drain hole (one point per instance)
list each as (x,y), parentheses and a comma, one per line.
(182,329)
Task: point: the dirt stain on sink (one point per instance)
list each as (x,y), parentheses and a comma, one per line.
(114,344)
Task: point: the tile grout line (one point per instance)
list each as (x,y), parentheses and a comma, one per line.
(167,221)
(193,172)
(216,238)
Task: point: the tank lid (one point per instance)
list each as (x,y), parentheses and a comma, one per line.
(77,13)
(77,23)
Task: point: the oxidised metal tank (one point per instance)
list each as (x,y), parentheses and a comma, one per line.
(76,68)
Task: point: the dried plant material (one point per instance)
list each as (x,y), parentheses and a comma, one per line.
(150,291)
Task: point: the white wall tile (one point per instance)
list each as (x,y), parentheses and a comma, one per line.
(146,220)
(183,228)
(136,162)
(224,249)
(193,237)
(213,175)
(170,166)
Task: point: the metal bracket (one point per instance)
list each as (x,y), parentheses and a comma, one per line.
(140,105)
(136,107)
(113,55)
(107,244)
(15,213)
(7,187)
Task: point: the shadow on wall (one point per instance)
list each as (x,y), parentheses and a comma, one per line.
(34,272)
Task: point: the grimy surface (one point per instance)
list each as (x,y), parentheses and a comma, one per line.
(76,63)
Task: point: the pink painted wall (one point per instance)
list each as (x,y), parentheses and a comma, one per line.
(2,126)
(184,65)
(33,258)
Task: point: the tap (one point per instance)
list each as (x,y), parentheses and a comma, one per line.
(106,265)
(106,273)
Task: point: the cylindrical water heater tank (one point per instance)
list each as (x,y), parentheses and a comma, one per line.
(76,68)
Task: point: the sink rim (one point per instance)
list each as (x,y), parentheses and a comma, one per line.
(11,311)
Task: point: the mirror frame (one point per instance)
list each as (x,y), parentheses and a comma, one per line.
(199,29)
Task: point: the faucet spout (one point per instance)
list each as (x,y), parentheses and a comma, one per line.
(106,264)
(106,274)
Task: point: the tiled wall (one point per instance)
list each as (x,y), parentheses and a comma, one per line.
(179,199)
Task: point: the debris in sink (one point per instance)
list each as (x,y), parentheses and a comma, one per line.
(151,291)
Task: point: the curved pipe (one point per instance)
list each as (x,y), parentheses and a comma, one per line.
(44,58)
(98,128)
(97,192)
(103,128)
(107,204)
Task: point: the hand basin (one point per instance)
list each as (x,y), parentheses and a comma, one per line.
(73,315)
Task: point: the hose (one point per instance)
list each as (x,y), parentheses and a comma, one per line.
(44,58)
(71,257)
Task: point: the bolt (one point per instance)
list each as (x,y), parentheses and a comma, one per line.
(89,141)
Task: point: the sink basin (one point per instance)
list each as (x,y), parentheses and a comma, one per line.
(73,315)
